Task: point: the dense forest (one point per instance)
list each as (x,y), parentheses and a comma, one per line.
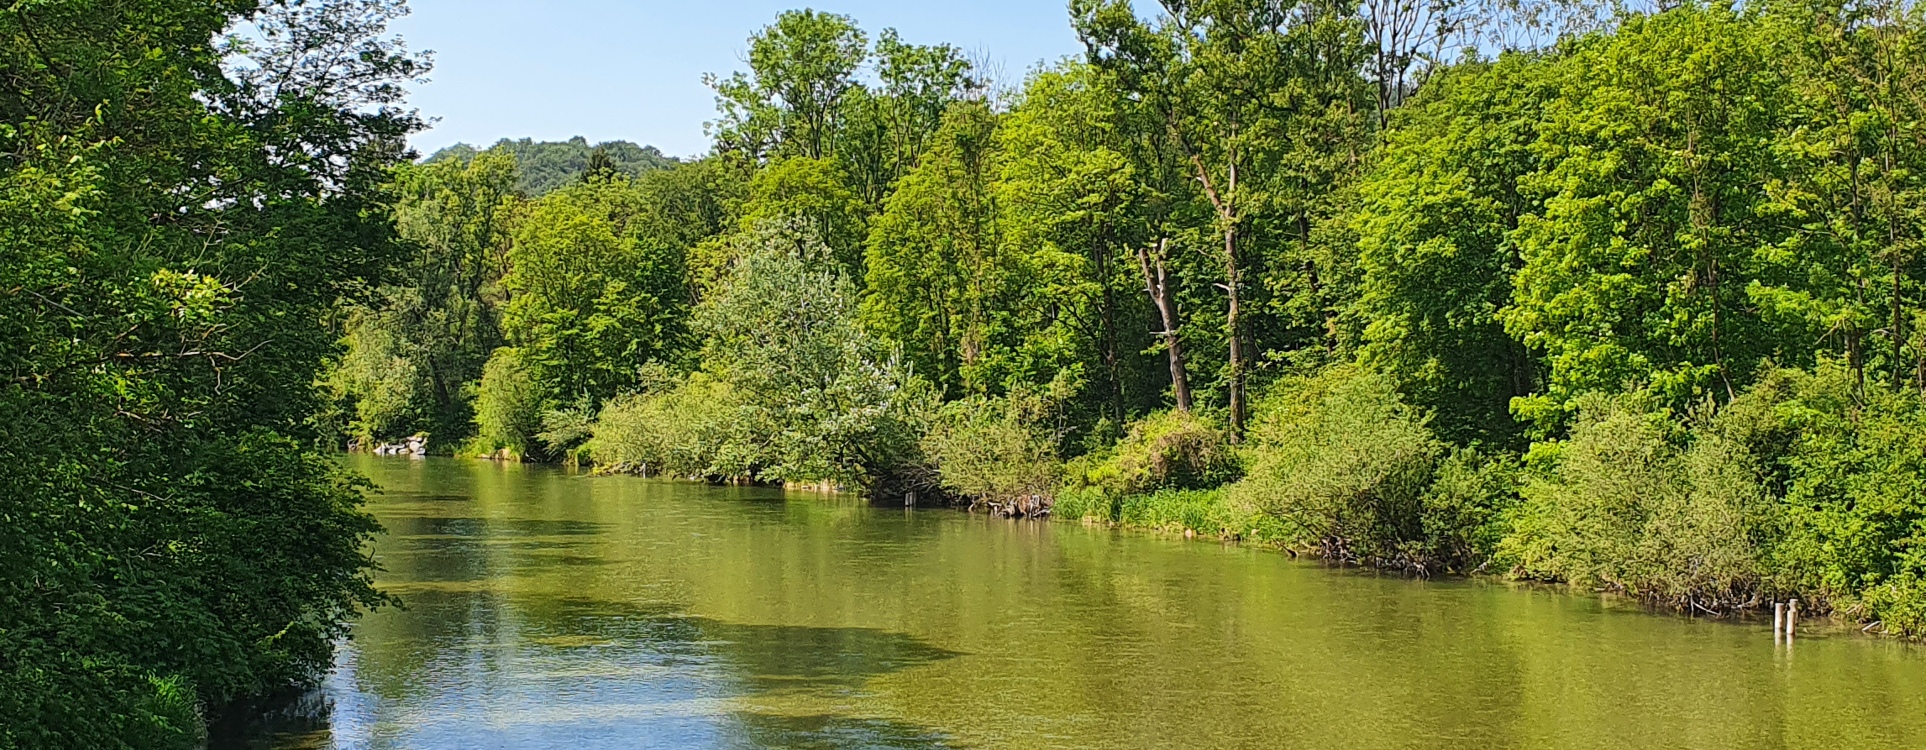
(1630,301)
(547,165)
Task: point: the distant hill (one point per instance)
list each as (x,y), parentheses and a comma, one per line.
(547,165)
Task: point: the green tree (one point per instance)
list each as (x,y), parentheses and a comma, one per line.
(177,216)
(940,281)
(1263,102)
(589,300)
(1638,269)
(1433,223)
(790,103)
(823,400)
(430,330)
(547,165)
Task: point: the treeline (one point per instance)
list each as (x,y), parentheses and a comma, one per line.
(1627,300)
(180,214)
(546,165)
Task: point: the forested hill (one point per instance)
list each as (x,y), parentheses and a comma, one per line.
(546,165)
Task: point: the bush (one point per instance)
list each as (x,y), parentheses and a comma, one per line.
(508,406)
(1854,515)
(1170,450)
(688,430)
(789,389)
(1000,451)
(1085,503)
(374,379)
(1463,511)
(1344,464)
(1207,512)
(1637,503)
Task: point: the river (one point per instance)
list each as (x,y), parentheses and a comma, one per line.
(551,609)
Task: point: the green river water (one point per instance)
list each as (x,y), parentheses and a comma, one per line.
(550,609)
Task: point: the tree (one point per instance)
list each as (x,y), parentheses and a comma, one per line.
(824,400)
(1433,221)
(1639,268)
(1075,188)
(547,165)
(589,300)
(177,219)
(428,333)
(791,101)
(1249,90)
(939,279)
(887,128)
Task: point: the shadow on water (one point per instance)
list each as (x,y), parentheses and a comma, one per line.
(829,732)
(764,658)
(662,652)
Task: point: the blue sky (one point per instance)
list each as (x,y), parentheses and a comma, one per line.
(632,70)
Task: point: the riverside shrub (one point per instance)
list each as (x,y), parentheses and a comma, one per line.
(1854,513)
(508,405)
(1464,510)
(1637,502)
(1000,450)
(1168,450)
(688,430)
(1344,464)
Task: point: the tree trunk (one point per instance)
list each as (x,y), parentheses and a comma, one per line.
(1233,277)
(1233,319)
(1157,282)
(1100,255)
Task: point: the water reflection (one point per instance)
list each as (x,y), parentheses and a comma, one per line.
(550,610)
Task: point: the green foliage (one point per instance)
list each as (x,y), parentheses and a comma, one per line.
(550,165)
(1433,221)
(825,401)
(178,215)
(1854,475)
(1638,505)
(691,429)
(1636,271)
(508,406)
(812,193)
(1465,511)
(1345,464)
(376,379)
(590,297)
(940,281)
(790,103)
(999,450)
(789,389)
(1169,450)
(426,335)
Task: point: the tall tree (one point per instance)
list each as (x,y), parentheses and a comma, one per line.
(790,102)
(177,216)
(1248,90)
(1433,221)
(1641,266)
(429,331)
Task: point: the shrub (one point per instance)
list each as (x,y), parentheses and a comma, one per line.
(1637,503)
(1854,514)
(375,379)
(508,405)
(997,450)
(1463,511)
(1344,464)
(1207,512)
(1169,450)
(1085,503)
(789,388)
(688,430)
